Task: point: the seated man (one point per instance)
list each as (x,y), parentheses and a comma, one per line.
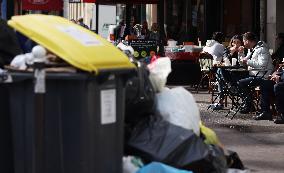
(260,59)
(273,87)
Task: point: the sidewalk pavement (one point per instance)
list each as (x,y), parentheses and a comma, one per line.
(241,122)
(260,144)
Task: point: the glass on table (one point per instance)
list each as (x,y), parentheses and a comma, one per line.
(215,62)
(234,61)
(227,62)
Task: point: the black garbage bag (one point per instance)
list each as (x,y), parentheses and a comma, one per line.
(155,139)
(234,160)
(140,96)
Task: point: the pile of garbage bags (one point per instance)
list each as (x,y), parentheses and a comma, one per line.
(163,128)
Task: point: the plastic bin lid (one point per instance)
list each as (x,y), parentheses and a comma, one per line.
(78,46)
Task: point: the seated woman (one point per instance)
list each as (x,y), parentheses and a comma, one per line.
(232,51)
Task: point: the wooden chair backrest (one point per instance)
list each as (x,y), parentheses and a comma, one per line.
(205,61)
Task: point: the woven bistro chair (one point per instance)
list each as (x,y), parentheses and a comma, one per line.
(207,74)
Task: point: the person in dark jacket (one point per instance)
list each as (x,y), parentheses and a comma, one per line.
(154,33)
(119,31)
(269,89)
(274,88)
(278,55)
(145,31)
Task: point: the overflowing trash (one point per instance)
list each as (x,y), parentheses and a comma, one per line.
(64,104)
(158,140)
(163,132)
(163,127)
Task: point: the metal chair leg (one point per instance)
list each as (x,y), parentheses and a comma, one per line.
(200,83)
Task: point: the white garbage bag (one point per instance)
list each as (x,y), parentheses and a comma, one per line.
(159,71)
(178,106)
(232,170)
(21,61)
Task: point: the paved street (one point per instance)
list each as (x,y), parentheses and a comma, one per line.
(260,144)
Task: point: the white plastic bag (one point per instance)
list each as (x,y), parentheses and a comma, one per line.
(131,164)
(178,106)
(21,61)
(159,71)
(125,48)
(231,170)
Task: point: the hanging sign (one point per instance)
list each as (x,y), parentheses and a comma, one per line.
(49,5)
(122,1)
(143,48)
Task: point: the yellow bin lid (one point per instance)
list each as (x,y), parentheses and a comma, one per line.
(78,46)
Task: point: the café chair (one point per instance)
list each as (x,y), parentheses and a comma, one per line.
(257,96)
(257,100)
(242,99)
(228,89)
(206,64)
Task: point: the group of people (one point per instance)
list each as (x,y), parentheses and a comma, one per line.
(123,32)
(252,54)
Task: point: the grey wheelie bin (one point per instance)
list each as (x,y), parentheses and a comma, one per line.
(68,122)
(6,160)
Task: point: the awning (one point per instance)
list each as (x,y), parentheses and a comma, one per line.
(122,1)
(48,5)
